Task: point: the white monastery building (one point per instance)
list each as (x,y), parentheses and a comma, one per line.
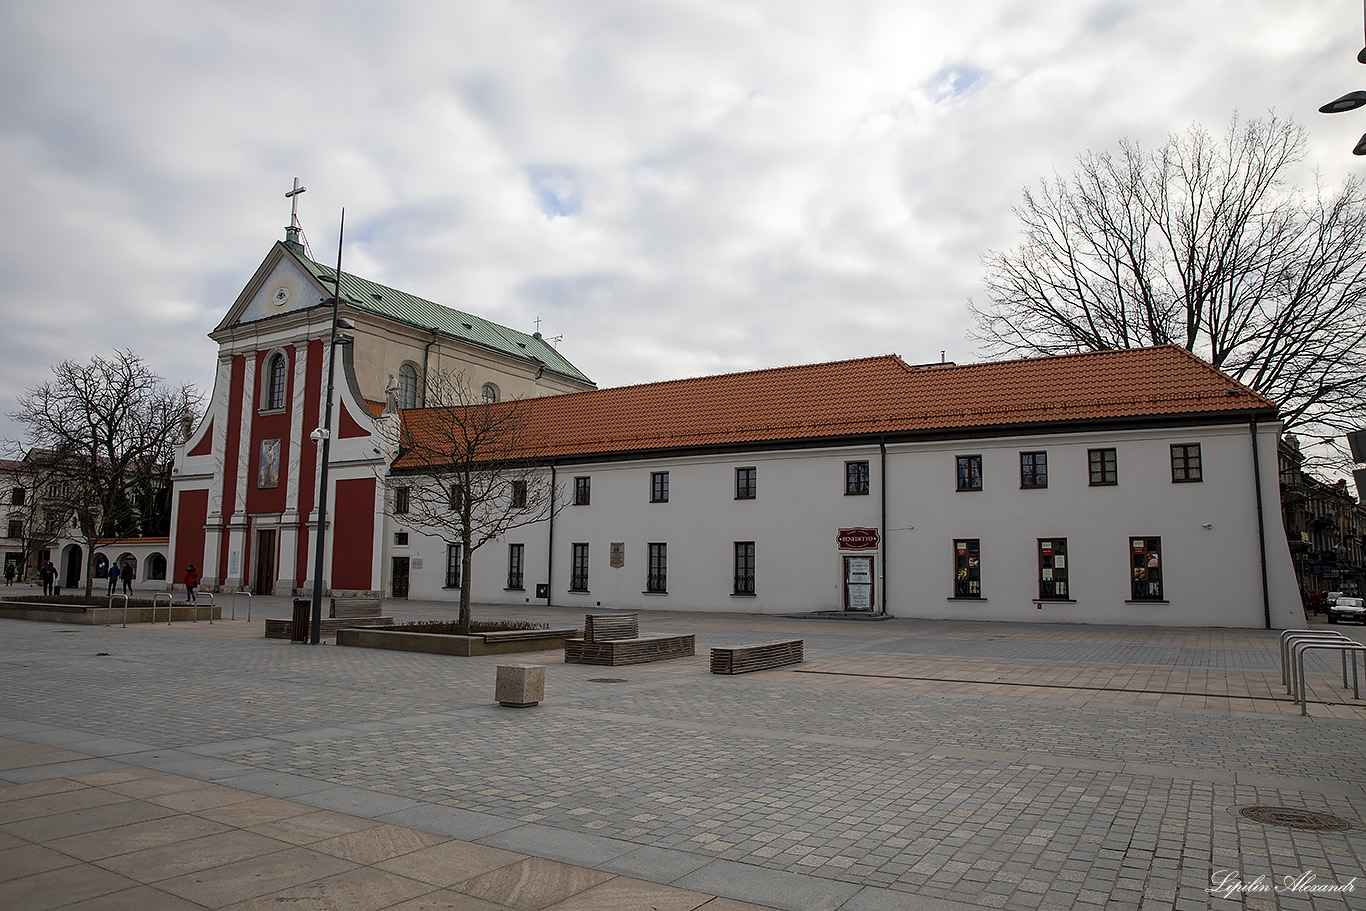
(1124,487)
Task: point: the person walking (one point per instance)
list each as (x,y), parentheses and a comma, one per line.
(48,574)
(113,578)
(191,583)
(126,577)
(9,573)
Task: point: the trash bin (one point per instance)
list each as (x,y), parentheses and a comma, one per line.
(303,611)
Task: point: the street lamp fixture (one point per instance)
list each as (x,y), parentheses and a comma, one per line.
(1352,100)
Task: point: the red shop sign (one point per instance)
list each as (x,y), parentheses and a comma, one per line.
(858,539)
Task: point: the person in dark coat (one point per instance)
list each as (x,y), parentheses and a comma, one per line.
(48,574)
(126,577)
(113,577)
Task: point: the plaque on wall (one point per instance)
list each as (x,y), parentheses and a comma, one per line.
(618,555)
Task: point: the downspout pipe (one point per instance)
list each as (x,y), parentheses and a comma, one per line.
(550,545)
(425,349)
(882,484)
(1261,519)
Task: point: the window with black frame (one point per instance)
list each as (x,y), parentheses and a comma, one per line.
(746,483)
(517,496)
(1104,467)
(967,568)
(583,488)
(658,579)
(1033,469)
(578,574)
(1186,465)
(1053,569)
(1145,557)
(452,566)
(659,487)
(744,568)
(855,478)
(516,554)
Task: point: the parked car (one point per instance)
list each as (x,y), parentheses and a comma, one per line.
(1330,597)
(1345,608)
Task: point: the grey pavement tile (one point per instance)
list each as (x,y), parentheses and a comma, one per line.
(231,746)
(789,891)
(558,844)
(61,770)
(660,865)
(449,821)
(59,888)
(357,801)
(91,819)
(109,746)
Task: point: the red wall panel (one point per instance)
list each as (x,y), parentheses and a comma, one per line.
(353,534)
(192,509)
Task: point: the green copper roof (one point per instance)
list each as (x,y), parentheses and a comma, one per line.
(405,308)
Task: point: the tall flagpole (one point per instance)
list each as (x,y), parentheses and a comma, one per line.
(315,627)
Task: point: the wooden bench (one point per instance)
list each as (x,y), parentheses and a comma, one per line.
(741,659)
(614,639)
(344,613)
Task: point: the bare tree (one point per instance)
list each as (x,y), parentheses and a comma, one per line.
(466,471)
(25,482)
(107,430)
(1198,243)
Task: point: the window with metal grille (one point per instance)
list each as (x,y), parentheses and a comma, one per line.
(1186,462)
(658,579)
(970,472)
(1104,467)
(1033,469)
(967,568)
(453,566)
(746,483)
(515,556)
(855,478)
(400,501)
(578,576)
(659,487)
(744,568)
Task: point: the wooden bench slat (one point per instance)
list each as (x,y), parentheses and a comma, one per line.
(742,659)
(284,629)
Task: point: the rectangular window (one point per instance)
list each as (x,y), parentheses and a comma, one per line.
(582,489)
(400,539)
(457,497)
(746,483)
(658,580)
(744,567)
(1186,462)
(1033,469)
(659,487)
(16,528)
(400,501)
(518,495)
(578,576)
(453,565)
(516,554)
(1145,555)
(855,478)
(16,497)
(967,568)
(1104,467)
(970,472)
(1053,569)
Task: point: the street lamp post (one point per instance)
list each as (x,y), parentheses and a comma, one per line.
(324,433)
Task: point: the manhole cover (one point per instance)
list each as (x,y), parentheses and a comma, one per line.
(606,679)
(1292,818)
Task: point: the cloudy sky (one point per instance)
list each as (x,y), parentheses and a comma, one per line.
(675,187)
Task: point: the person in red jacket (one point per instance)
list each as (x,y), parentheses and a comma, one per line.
(191,583)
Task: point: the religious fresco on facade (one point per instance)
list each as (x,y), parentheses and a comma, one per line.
(268,474)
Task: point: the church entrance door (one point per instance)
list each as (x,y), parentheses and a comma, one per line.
(265,562)
(400,577)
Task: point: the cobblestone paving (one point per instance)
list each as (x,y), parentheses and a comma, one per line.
(992,801)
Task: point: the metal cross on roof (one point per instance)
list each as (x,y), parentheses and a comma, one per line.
(293,197)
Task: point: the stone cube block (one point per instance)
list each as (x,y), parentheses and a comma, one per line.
(520,685)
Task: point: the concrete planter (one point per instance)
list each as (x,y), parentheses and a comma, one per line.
(101,616)
(464,646)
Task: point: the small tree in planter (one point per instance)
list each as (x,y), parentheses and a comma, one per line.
(467,471)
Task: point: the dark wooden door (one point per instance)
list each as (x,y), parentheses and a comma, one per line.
(400,577)
(265,562)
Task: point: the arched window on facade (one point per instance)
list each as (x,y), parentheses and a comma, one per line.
(490,393)
(275,379)
(407,386)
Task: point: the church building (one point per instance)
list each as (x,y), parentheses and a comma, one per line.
(1136,486)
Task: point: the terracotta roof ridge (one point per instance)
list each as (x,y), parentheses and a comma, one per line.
(896,359)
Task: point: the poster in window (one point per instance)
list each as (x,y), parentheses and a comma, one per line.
(1060,561)
(268,472)
(861,597)
(860,571)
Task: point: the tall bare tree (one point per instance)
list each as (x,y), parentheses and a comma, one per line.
(1199,243)
(467,471)
(26,482)
(108,430)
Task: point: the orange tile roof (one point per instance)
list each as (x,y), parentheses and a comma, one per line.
(876,395)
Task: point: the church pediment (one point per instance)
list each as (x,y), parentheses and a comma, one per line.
(279,286)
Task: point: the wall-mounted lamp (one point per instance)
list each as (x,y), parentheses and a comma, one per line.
(1207,525)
